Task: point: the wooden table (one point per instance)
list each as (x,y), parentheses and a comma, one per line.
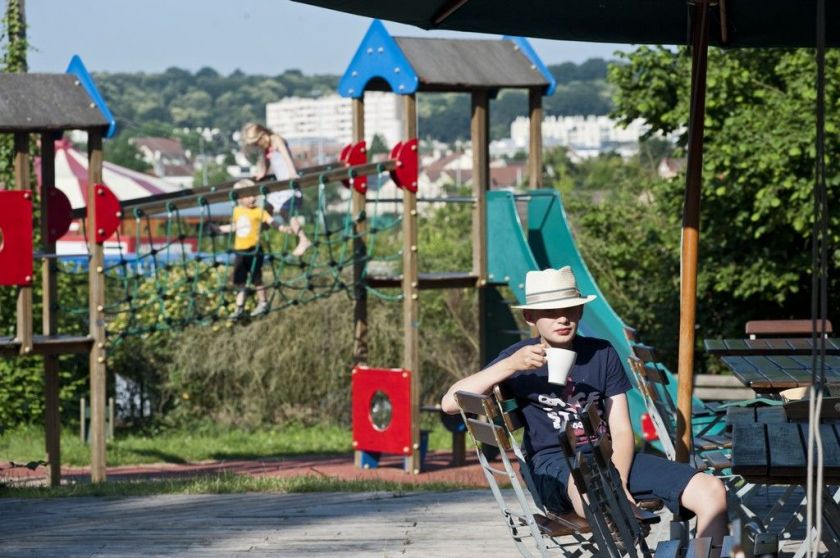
(774,364)
(768,448)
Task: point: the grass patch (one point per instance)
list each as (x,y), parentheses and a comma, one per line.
(201,442)
(222,483)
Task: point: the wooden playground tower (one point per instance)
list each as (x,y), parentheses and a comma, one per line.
(406,66)
(48,105)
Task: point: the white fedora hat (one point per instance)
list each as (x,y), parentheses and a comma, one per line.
(552,288)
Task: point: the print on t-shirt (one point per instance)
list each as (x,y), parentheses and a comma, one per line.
(547,408)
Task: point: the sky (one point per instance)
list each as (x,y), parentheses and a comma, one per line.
(255,36)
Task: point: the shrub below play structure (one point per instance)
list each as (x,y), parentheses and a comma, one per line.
(295,365)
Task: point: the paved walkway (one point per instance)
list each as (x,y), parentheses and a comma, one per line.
(382,525)
(462,523)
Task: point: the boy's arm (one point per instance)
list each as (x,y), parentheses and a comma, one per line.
(223,228)
(623,441)
(526,358)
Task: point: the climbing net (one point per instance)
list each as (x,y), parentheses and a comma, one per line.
(180,272)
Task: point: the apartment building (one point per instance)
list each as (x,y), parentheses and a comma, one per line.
(329,118)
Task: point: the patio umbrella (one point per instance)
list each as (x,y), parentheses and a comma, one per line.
(736,23)
(727,23)
(71,177)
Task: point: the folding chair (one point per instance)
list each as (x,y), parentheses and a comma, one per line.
(599,484)
(709,452)
(525,518)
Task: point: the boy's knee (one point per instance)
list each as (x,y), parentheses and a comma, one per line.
(705,493)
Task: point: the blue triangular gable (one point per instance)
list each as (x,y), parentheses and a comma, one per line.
(77,68)
(378,56)
(532,56)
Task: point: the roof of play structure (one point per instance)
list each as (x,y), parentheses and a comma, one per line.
(406,65)
(53,102)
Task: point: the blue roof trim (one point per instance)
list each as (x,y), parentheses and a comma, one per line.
(532,55)
(378,56)
(77,68)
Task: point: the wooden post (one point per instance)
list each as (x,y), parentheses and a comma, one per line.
(24,297)
(96,278)
(480,136)
(535,155)
(411,295)
(49,300)
(691,228)
(360,310)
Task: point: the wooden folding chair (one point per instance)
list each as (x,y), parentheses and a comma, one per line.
(616,524)
(709,450)
(534,529)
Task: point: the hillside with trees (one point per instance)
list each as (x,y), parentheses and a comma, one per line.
(161,103)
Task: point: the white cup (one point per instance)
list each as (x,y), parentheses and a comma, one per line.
(560,363)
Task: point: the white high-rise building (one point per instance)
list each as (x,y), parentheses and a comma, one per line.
(587,135)
(330,118)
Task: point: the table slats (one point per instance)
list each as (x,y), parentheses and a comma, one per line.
(787,453)
(749,450)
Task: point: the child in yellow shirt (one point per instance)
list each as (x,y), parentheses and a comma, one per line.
(246,223)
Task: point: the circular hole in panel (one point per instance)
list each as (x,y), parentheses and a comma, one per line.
(380,411)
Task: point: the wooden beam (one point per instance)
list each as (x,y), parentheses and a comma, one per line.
(24,294)
(360,309)
(411,295)
(360,339)
(96,278)
(691,227)
(49,303)
(535,145)
(480,136)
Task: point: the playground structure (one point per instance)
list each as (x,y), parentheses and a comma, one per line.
(407,66)
(49,105)
(500,259)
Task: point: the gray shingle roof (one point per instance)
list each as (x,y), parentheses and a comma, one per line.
(45,102)
(460,63)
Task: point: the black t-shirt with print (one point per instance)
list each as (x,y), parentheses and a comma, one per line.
(596,376)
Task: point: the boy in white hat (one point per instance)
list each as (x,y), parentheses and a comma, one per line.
(554,306)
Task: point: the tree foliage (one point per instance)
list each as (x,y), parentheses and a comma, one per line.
(756,211)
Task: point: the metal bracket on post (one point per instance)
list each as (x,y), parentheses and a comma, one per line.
(405,175)
(108,213)
(351,155)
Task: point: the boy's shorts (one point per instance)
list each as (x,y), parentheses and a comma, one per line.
(650,477)
(248,263)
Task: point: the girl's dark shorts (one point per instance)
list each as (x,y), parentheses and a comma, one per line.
(246,263)
(650,477)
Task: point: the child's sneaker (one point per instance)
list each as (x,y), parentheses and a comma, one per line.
(262,308)
(238,313)
(303,246)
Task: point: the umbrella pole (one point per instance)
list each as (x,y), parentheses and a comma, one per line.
(691,226)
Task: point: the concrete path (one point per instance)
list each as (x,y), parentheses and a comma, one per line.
(383,525)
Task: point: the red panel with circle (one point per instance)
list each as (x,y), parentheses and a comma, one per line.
(16,237)
(381,410)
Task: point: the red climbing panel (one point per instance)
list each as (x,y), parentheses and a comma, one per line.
(108,213)
(59,214)
(16,237)
(355,154)
(405,175)
(381,410)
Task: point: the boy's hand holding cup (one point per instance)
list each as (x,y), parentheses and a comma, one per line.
(560,364)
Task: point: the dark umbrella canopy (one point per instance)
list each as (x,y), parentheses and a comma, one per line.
(748,23)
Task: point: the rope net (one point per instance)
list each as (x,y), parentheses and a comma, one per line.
(181,270)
